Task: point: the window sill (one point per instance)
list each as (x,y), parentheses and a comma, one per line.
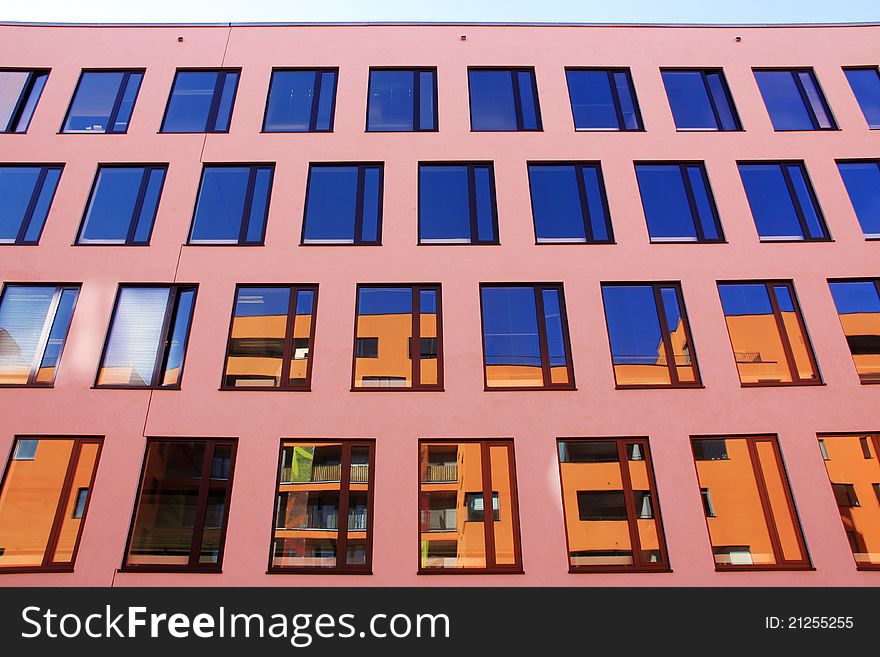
(776,384)
(867,567)
(121,387)
(316,571)
(531,389)
(32,385)
(793,240)
(262,389)
(471,571)
(569,242)
(400,389)
(707,130)
(572,570)
(678,240)
(15,570)
(175,571)
(763,568)
(669,386)
(576,129)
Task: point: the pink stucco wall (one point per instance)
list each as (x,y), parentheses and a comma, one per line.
(398,420)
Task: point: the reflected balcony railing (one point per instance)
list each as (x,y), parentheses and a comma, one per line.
(652,358)
(360,474)
(441,473)
(356,523)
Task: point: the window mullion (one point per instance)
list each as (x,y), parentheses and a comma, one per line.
(517,99)
(342,522)
(630,500)
(247,210)
(63,499)
(795,200)
(359,206)
(689,192)
(201,512)
(117,103)
(765,500)
(585,205)
(712,104)
(316,100)
(138,205)
(162,350)
(44,336)
(805,99)
(211,119)
(615,97)
(488,509)
(416,342)
(664,328)
(472,204)
(783,333)
(32,204)
(287,349)
(542,335)
(416,100)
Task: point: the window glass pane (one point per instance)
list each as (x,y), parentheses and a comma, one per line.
(493,106)
(372,204)
(689,100)
(31,103)
(176,346)
(392,100)
(41,207)
(783,100)
(665,201)
(555,336)
(57,335)
(91,108)
(220,207)
(596,203)
(444,205)
(804,193)
(429,327)
(302,338)
(676,324)
(484,201)
(111,208)
(637,349)
(703,201)
(791,321)
(427,120)
(772,206)
(592,100)
(723,103)
(259,326)
(224,107)
(505,539)
(259,205)
(627,100)
(862,180)
(510,335)
(331,205)
(556,203)
(814,97)
(865,83)
(291,99)
(74,508)
(385,314)
(528,100)
(17,187)
(327,101)
(23,314)
(858,306)
(150,206)
(126,104)
(12,86)
(777,496)
(190,102)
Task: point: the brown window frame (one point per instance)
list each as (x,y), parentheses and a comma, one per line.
(488,518)
(287,356)
(204,486)
(61,509)
(344,493)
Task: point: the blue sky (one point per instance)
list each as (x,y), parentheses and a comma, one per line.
(589,11)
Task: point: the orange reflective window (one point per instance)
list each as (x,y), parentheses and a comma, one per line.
(858,306)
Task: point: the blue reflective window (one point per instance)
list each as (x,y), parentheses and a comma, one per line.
(603,99)
(794,100)
(103,101)
(301,100)
(862,180)
(569,204)
(122,205)
(858,308)
(457,204)
(678,202)
(503,100)
(232,205)
(700,100)
(201,101)
(865,83)
(26,192)
(343,204)
(402,100)
(782,201)
(20,91)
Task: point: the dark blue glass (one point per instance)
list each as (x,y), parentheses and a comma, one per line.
(745,299)
(201,101)
(700,100)
(385,301)
(568,203)
(853,297)
(19,93)
(510,326)
(457,204)
(301,101)
(58,332)
(396,101)
(554,328)
(343,205)
(862,180)
(633,324)
(678,203)
(793,100)
(602,100)
(865,83)
(232,205)
(26,194)
(503,100)
(782,202)
(186,299)
(122,205)
(103,102)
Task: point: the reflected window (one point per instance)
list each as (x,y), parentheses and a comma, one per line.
(201,101)
(320,483)
(700,99)
(525,337)
(858,307)
(458,481)
(232,204)
(27,192)
(146,344)
(122,205)
(569,203)
(862,180)
(343,204)
(612,519)
(34,320)
(182,506)
(301,100)
(398,338)
(794,100)
(20,92)
(768,334)
(503,100)
(750,513)
(402,100)
(603,99)
(103,102)
(678,202)
(865,84)
(651,343)
(44,500)
(457,204)
(271,338)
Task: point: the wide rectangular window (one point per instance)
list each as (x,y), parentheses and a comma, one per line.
(753,523)
(865,84)
(525,337)
(651,343)
(26,192)
(862,180)
(34,320)
(700,99)
(853,464)
(678,202)
(457,204)
(783,202)
(146,343)
(768,334)
(612,519)
(301,100)
(343,204)
(458,480)
(232,204)
(402,100)
(20,92)
(398,338)
(603,99)
(182,506)
(569,203)
(43,502)
(201,101)
(858,306)
(271,338)
(503,99)
(794,100)
(122,205)
(319,483)
(103,102)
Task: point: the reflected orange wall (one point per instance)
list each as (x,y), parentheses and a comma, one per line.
(394,332)
(868,365)
(758,335)
(658,371)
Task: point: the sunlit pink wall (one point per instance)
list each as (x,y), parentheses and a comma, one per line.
(397,420)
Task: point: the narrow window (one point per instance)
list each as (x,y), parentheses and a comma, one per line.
(34,320)
(678,202)
(612,519)
(402,100)
(525,337)
(20,92)
(146,343)
(503,100)
(794,100)
(232,204)
(27,192)
(201,101)
(751,516)
(301,100)
(603,99)
(122,205)
(44,502)
(458,481)
(457,204)
(103,102)
(343,204)
(182,506)
(569,203)
(700,100)
(651,343)
(767,334)
(865,84)
(708,506)
(862,181)
(397,338)
(858,307)
(271,338)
